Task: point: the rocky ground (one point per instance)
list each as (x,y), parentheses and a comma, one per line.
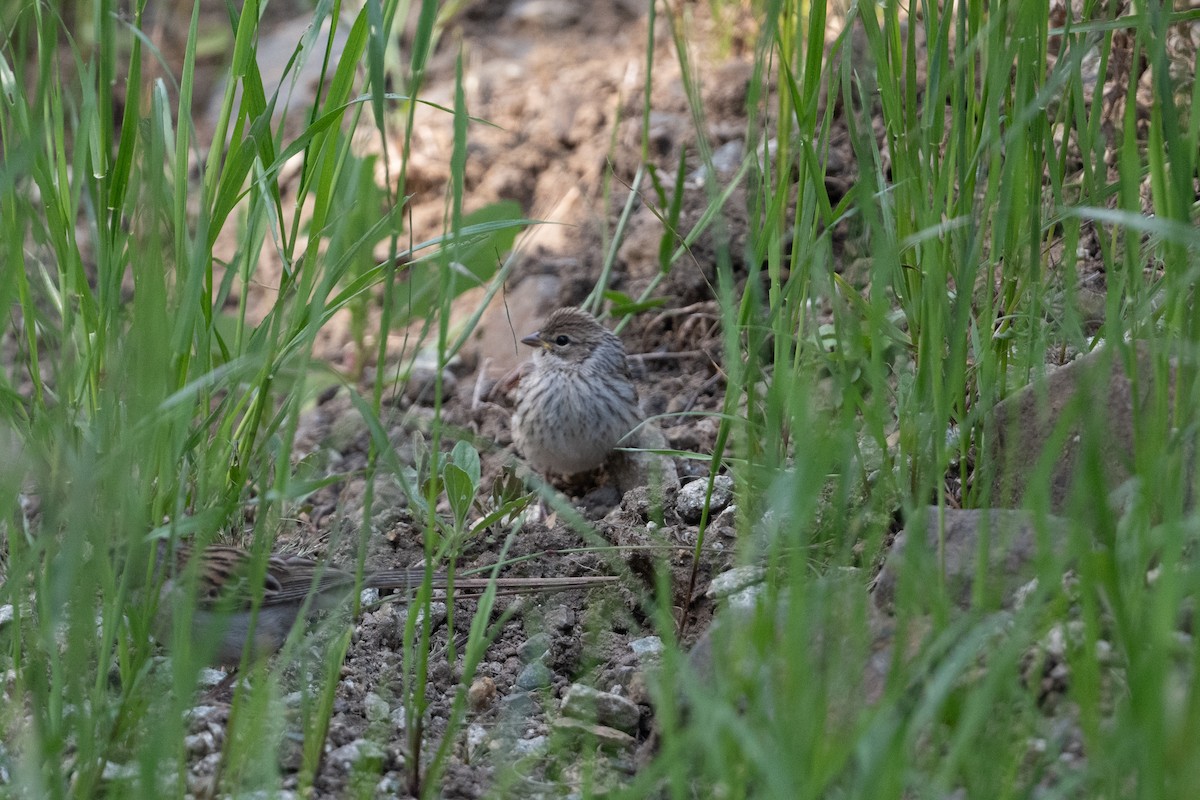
(561,81)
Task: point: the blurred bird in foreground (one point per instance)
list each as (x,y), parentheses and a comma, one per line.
(292,586)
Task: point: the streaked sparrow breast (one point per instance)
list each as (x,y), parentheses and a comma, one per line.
(575,401)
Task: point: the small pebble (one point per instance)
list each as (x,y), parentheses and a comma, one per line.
(735,580)
(197,715)
(389,785)
(481,694)
(530,747)
(585,703)
(476,736)
(354,752)
(748,599)
(535,648)
(689,503)
(519,704)
(608,738)
(376,708)
(647,648)
(199,744)
(534,676)
(201,781)
(119,772)
(725,160)
(561,618)
(210,677)
(726,521)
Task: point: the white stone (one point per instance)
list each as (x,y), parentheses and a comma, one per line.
(647,648)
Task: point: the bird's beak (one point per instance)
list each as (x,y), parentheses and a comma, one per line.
(534,340)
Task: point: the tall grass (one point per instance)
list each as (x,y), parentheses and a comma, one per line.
(142,387)
(143,393)
(989,173)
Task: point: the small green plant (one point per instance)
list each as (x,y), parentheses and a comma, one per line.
(457,477)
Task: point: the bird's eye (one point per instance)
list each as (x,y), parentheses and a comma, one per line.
(562,340)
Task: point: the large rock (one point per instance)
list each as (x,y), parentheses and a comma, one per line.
(841,628)
(1010,539)
(1102,402)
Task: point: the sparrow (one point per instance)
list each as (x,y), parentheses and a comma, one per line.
(575,400)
